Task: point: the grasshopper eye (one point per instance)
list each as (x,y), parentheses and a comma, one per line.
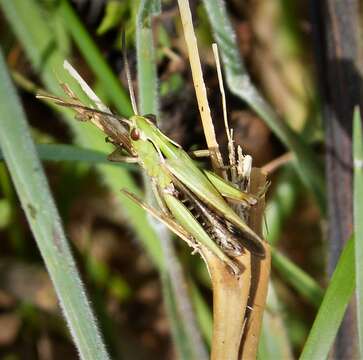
(135,134)
(151,117)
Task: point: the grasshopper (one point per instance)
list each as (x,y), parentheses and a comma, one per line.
(176,179)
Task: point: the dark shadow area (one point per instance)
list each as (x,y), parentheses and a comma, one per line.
(336,28)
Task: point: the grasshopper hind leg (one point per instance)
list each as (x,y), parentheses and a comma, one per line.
(254,247)
(166,220)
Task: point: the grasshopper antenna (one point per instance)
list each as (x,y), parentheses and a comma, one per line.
(128,74)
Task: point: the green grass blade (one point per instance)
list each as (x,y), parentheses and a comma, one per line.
(66,152)
(146,58)
(281,204)
(176,319)
(34,33)
(241,85)
(332,308)
(298,279)
(96,61)
(358,216)
(37,202)
(203,313)
(274,342)
(278,210)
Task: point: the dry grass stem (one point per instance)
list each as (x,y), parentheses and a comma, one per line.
(230,297)
(275,164)
(199,85)
(233,296)
(260,274)
(239,301)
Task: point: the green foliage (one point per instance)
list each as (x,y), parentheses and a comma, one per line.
(37,202)
(302,282)
(95,60)
(5,213)
(65,152)
(113,14)
(332,308)
(358,216)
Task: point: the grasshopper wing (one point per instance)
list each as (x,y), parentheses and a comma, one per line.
(186,219)
(185,170)
(192,226)
(227,190)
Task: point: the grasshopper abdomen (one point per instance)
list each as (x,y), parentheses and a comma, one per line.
(214,226)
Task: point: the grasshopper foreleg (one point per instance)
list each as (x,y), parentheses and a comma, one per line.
(118,155)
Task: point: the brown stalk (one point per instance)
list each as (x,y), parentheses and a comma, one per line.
(239,301)
(260,274)
(275,164)
(230,297)
(199,85)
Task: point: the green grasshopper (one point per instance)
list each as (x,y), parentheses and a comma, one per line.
(176,180)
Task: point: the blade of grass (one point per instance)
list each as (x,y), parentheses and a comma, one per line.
(146,57)
(204,315)
(298,279)
(282,203)
(332,308)
(358,216)
(239,82)
(15,233)
(176,319)
(37,202)
(278,210)
(186,334)
(95,60)
(66,152)
(274,342)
